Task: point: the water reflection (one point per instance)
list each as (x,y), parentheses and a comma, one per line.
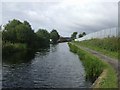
(53,47)
(42,52)
(54,67)
(19,57)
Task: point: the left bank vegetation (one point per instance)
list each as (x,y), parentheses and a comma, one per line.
(19,36)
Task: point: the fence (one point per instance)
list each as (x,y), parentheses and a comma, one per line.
(100,34)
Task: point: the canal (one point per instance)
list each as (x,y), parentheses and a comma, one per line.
(54,67)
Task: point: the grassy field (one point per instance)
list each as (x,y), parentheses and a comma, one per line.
(94,67)
(107,46)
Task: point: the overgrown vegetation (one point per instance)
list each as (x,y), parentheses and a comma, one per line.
(110,80)
(94,67)
(10,48)
(19,36)
(54,36)
(107,46)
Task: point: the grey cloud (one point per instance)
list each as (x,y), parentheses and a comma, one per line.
(64,16)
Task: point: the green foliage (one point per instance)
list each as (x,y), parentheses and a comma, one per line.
(17,32)
(43,33)
(82,34)
(23,33)
(43,37)
(27,24)
(94,67)
(54,36)
(110,80)
(9,32)
(108,46)
(10,48)
(73,36)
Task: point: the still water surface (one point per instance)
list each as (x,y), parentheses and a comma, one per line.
(54,67)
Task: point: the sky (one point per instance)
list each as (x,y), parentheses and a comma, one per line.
(66,16)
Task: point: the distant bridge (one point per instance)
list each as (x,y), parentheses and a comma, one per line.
(64,39)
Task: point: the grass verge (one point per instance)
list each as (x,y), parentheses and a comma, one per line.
(107,46)
(94,67)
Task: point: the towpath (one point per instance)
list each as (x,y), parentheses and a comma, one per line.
(113,62)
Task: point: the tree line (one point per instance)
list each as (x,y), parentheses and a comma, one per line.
(18,35)
(16,32)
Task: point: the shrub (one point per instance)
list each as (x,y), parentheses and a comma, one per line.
(10,48)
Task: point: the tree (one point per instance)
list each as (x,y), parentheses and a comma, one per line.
(54,36)
(9,32)
(43,33)
(44,37)
(82,34)
(24,34)
(18,32)
(27,24)
(73,36)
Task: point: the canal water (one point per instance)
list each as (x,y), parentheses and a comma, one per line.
(54,67)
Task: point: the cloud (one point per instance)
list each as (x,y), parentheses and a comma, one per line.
(66,16)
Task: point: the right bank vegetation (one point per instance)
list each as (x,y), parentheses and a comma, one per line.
(94,67)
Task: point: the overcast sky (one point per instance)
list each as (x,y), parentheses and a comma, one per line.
(66,16)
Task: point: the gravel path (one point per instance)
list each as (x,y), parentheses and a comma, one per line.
(113,62)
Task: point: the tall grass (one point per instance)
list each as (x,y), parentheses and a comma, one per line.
(94,67)
(107,46)
(10,48)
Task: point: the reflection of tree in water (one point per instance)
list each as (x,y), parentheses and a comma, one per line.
(19,57)
(53,47)
(24,56)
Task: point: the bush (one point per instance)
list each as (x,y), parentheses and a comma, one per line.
(10,48)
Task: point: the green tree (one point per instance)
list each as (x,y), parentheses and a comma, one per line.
(43,36)
(18,32)
(9,32)
(24,34)
(54,36)
(27,24)
(73,36)
(43,33)
(82,34)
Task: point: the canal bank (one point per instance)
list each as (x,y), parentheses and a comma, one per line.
(95,68)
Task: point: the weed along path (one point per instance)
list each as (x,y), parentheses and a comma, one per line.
(111,61)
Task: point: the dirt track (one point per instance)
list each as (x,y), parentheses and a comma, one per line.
(114,63)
